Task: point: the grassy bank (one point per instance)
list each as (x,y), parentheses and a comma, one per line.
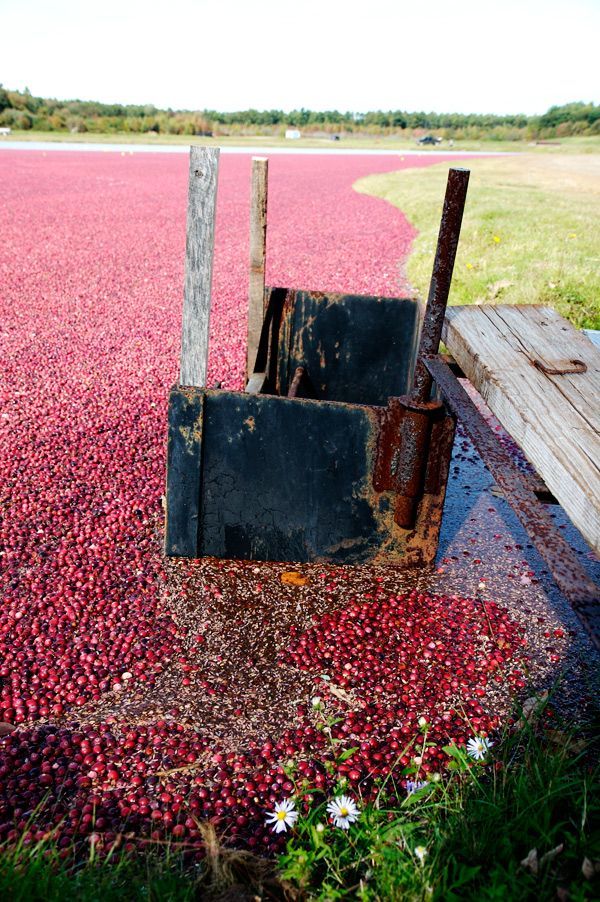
(521,825)
(365,142)
(529,235)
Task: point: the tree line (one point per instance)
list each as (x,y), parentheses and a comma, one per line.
(21,110)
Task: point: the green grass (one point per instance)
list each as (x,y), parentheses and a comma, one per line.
(399,143)
(476,827)
(529,235)
(41,872)
(39,875)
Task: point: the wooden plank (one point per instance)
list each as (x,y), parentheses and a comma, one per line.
(255,384)
(554,418)
(258,252)
(202,196)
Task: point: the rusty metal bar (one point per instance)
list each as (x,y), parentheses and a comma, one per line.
(301,386)
(441,277)
(571,578)
(404,450)
(416,426)
(415,438)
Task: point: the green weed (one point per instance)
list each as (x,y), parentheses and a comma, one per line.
(467,836)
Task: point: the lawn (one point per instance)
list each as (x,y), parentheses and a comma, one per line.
(529,235)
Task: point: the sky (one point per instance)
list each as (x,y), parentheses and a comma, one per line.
(470,56)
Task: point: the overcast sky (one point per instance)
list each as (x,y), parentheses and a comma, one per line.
(505,56)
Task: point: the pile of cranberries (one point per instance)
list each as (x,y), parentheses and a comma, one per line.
(381,666)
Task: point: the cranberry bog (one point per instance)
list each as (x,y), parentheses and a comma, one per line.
(147,695)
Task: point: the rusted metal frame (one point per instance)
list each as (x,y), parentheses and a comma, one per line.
(571,578)
(415,439)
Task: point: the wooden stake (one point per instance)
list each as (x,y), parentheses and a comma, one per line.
(258,249)
(202,195)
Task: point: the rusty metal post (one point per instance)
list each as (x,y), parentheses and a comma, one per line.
(441,277)
(416,424)
(414,436)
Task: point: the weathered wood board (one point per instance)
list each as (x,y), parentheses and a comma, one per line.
(258,253)
(554,417)
(200,236)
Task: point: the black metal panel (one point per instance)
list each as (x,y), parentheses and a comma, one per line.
(184,471)
(289,479)
(357,349)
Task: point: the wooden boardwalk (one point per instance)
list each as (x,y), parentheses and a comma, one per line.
(541,378)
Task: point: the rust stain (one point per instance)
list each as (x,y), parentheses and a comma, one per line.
(191,435)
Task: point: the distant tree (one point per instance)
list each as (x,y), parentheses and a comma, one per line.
(22,110)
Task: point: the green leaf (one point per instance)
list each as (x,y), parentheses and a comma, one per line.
(343,756)
(456,753)
(417,795)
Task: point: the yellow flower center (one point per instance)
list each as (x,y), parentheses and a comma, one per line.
(281,815)
(343,812)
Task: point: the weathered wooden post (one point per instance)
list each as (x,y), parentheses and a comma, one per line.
(199,246)
(184,455)
(258,252)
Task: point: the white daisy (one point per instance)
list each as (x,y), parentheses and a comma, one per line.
(284,816)
(478,747)
(343,811)
(420,852)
